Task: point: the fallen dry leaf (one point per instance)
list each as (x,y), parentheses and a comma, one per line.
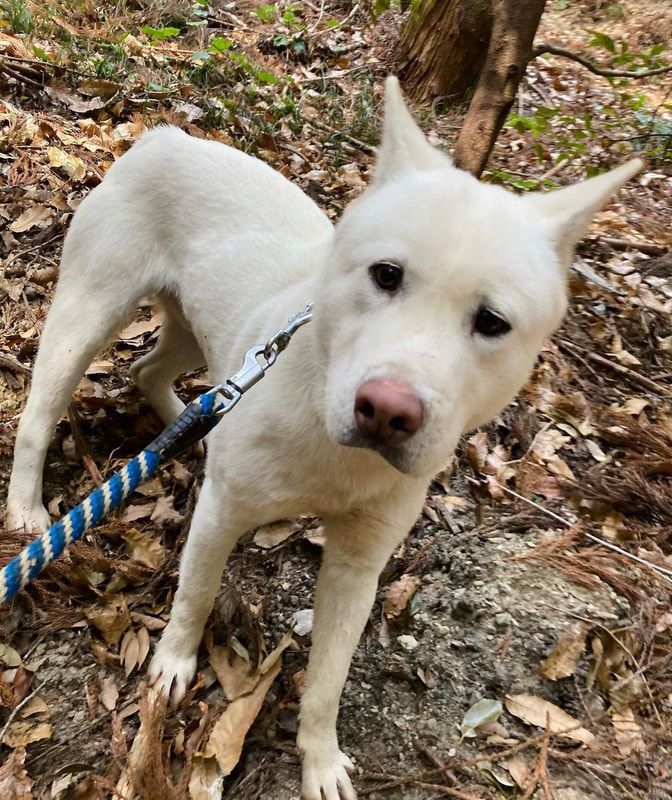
(627,359)
(562,661)
(67,163)
(109,693)
(33,216)
(272,535)
(519,770)
(633,406)
(21,733)
(595,450)
(60,92)
(151,488)
(150,622)
(136,331)
(99,87)
(206,781)
(546,444)
(111,619)
(234,673)
(134,649)
(36,705)
(536,711)
(164,513)
(138,511)
(9,656)
(397,603)
(144,549)
(628,732)
(15,783)
(227,737)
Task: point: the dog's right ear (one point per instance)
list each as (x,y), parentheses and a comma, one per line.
(570,210)
(404,146)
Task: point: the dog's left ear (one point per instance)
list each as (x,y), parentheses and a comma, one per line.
(569,211)
(404,145)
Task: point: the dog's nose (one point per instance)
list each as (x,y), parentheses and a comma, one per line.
(386,412)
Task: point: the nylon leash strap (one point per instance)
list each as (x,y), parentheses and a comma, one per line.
(197,419)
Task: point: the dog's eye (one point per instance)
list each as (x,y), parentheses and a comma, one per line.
(387,275)
(489,324)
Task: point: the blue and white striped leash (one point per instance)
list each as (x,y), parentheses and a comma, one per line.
(197,419)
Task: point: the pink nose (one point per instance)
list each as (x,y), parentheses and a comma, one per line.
(386,412)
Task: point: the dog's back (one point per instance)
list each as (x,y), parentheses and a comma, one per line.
(177,212)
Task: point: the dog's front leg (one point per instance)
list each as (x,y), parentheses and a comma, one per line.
(217,524)
(357,548)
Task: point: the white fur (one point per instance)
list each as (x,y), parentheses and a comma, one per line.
(230,248)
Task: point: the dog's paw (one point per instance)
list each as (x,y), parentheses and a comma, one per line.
(326,775)
(171,672)
(32,520)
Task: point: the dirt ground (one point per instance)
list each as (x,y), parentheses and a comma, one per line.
(500,585)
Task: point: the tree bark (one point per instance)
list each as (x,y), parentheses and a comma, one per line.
(444,45)
(515,23)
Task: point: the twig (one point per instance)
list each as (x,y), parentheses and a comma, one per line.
(649,248)
(351,14)
(436,762)
(16,710)
(20,76)
(543,763)
(446,791)
(9,362)
(663,572)
(82,445)
(554,170)
(393,781)
(357,142)
(596,69)
(635,377)
(49,65)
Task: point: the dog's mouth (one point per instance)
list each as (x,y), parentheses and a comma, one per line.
(397,457)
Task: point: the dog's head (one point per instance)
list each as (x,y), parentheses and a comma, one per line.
(439,293)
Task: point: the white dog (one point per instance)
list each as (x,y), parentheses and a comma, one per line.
(432,297)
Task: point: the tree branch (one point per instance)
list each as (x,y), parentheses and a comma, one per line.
(606,72)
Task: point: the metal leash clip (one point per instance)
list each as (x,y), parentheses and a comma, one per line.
(257,360)
(203,413)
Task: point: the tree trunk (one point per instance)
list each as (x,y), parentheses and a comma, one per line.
(444,45)
(515,23)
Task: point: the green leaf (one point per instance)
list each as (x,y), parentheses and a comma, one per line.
(266,77)
(481,713)
(200,55)
(602,40)
(220,45)
(160,33)
(266,13)
(332,23)
(39,52)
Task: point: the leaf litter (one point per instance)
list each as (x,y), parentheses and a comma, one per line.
(590,437)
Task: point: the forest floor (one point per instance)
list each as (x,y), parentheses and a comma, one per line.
(491,597)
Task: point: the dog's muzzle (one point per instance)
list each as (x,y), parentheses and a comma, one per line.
(386,415)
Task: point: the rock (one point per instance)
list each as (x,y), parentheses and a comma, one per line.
(302,622)
(503,620)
